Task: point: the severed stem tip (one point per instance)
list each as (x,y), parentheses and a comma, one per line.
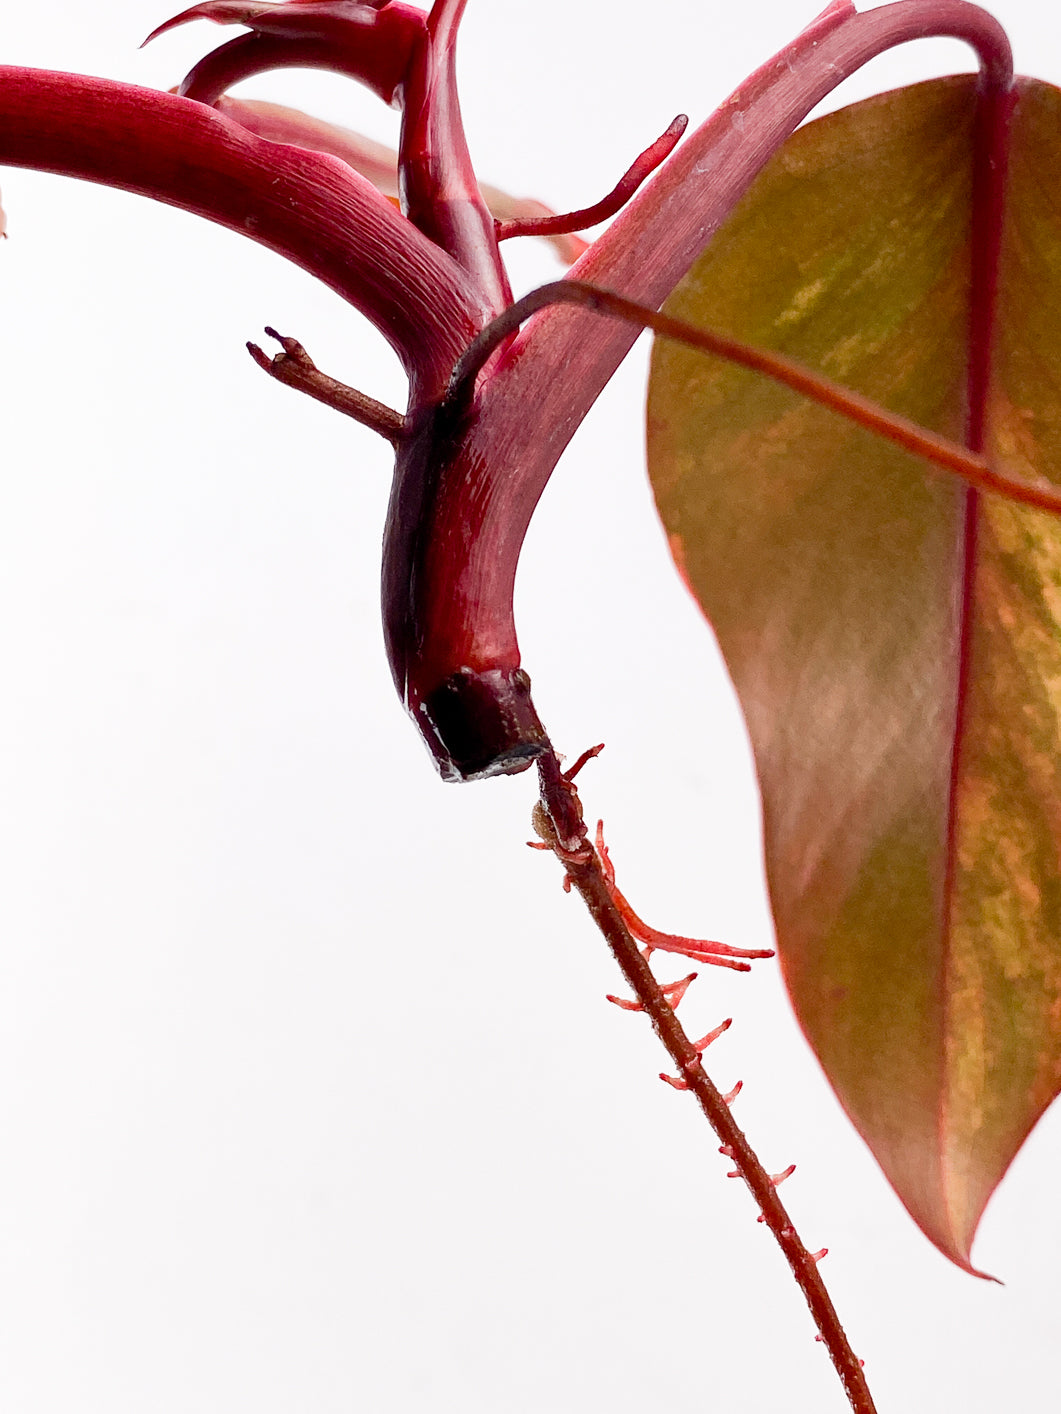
(294,367)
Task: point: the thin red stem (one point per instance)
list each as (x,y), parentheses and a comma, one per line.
(639,170)
(250,54)
(375,48)
(306,206)
(560,820)
(949,456)
(440,191)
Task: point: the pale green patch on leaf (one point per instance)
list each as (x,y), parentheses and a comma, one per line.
(895,638)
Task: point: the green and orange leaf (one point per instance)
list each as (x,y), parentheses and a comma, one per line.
(894,636)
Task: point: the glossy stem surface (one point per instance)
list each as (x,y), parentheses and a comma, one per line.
(638,171)
(307,206)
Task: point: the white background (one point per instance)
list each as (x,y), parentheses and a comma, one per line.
(309,1096)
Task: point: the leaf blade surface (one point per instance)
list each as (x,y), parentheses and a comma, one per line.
(893,636)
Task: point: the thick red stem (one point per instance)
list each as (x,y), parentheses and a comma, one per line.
(990,174)
(249,54)
(308,207)
(454,576)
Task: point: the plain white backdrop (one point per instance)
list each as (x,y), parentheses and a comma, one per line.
(310,1100)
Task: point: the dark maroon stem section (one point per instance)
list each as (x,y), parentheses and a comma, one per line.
(955,457)
(306,206)
(565,831)
(440,192)
(371,44)
(449,584)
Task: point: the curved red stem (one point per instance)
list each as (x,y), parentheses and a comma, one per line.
(249,54)
(371,43)
(643,166)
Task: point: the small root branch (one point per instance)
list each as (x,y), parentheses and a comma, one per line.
(624,1003)
(559,822)
(697,949)
(701,1046)
(673,991)
(294,367)
(616,199)
(588,755)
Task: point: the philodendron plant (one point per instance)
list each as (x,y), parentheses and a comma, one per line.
(851,436)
